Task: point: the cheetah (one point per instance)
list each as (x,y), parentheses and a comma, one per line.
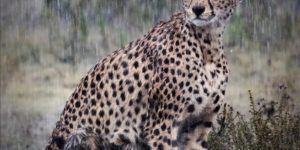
(162,91)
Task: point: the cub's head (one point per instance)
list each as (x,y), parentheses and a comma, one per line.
(204,12)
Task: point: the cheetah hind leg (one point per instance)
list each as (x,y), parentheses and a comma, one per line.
(86,139)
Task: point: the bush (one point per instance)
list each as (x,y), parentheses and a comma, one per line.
(272,125)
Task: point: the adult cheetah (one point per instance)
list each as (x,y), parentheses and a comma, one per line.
(162,91)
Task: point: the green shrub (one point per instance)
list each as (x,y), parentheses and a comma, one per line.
(270,125)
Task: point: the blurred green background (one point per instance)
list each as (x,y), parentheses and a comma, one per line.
(46,46)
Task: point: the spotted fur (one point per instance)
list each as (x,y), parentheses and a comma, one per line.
(162,91)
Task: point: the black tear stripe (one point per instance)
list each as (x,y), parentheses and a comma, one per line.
(211,7)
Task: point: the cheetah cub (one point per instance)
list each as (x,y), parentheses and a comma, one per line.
(161,91)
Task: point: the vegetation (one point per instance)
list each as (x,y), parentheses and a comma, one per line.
(271,125)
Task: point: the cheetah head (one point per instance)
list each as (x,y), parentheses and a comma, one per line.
(204,12)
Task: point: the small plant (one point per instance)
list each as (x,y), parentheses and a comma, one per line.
(270,126)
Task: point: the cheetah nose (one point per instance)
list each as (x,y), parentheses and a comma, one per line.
(198,10)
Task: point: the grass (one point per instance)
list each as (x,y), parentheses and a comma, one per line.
(270,125)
